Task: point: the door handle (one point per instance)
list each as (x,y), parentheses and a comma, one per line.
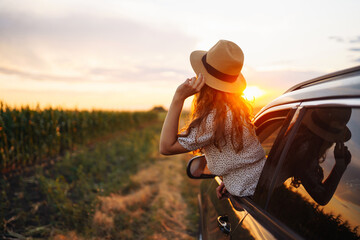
(224,225)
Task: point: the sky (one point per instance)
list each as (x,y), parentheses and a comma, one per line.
(132,54)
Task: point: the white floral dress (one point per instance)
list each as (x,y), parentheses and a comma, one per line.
(240,171)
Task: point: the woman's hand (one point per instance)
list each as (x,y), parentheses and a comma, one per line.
(169,143)
(342,155)
(221,190)
(190,87)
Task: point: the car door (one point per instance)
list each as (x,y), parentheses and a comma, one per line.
(234,210)
(219,218)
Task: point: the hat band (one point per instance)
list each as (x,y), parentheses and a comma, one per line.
(217,74)
(323,125)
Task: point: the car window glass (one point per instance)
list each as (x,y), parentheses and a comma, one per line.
(317,192)
(269,132)
(271,115)
(268,127)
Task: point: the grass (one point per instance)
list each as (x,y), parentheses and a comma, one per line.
(64,196)
(189,191)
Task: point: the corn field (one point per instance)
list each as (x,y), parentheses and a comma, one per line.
(29,136)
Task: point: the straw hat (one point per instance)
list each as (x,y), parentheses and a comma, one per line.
(329,123)
(221,66)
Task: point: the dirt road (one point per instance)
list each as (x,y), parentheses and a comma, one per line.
(153,207)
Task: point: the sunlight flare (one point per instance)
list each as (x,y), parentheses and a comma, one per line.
(251,93)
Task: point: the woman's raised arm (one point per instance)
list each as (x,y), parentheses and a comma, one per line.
(168,139)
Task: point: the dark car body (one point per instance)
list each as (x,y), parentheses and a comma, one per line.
(282,208)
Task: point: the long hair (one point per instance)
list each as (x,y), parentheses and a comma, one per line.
(208,100)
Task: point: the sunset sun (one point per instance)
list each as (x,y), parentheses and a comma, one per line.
(252,93)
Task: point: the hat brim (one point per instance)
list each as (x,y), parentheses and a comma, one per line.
(237,86)
(343,136)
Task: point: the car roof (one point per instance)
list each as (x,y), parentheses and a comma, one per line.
(341,84)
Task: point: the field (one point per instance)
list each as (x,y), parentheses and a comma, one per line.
(91,175)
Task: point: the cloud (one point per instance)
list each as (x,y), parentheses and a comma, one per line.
(83,47)
(341,39)
(336,38)
(355,40)
(82,31)
(140,73)
(355,49)
(38,76)
(105,75)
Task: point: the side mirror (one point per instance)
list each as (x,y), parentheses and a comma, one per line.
(197,168)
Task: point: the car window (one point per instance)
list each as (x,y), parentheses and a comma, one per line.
(271,115)
(268,130)
(268,127)
(317,191)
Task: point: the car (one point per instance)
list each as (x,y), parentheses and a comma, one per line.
(310,185)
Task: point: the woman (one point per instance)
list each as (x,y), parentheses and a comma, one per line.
(220,125)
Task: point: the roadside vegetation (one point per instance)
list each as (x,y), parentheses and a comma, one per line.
(64,195)
(31,136)
(111,185)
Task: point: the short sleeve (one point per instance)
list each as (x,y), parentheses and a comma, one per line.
(190,142)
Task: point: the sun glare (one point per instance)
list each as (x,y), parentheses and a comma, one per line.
(251,93)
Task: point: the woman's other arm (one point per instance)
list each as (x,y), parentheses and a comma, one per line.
(322,192)
(169,134)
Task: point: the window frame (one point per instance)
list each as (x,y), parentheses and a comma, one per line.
(276,149)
